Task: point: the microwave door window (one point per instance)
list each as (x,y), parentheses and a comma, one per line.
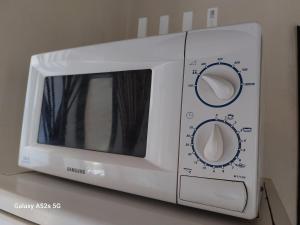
(97,122)
(105,112)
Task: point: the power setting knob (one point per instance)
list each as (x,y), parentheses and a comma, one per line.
(221,87)
(218,84)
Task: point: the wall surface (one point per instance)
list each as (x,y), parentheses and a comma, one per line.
(279,72)
(35,26)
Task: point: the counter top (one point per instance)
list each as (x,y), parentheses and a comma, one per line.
(90,205)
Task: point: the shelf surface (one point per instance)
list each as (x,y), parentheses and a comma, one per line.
(90,205)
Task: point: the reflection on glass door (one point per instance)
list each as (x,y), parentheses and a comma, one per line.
(105,112)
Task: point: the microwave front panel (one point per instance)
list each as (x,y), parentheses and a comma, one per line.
(151,69)
(218,162)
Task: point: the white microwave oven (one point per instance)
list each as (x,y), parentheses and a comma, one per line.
(172,117)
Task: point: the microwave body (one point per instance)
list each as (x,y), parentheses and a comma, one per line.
(173,117)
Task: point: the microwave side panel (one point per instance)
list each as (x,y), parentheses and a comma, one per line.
(219,141)
(153,176)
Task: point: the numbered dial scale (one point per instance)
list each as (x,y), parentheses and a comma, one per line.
(218,137)
(218,84)
(216,142)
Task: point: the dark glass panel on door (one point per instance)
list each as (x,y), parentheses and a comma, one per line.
(105,112)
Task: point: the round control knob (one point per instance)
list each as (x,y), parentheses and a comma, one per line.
(213,150)
(222,88)
(218,84)
(216,143)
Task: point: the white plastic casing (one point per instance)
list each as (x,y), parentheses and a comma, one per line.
(235,50)
(174,109)
(154,176)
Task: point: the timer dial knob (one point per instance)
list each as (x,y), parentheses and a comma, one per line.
(216,143)
(213,150)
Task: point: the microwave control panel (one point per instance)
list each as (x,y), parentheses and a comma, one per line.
(219,140)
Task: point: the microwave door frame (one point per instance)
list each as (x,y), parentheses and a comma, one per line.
(155,175)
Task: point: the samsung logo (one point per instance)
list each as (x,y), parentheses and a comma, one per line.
(75,170)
